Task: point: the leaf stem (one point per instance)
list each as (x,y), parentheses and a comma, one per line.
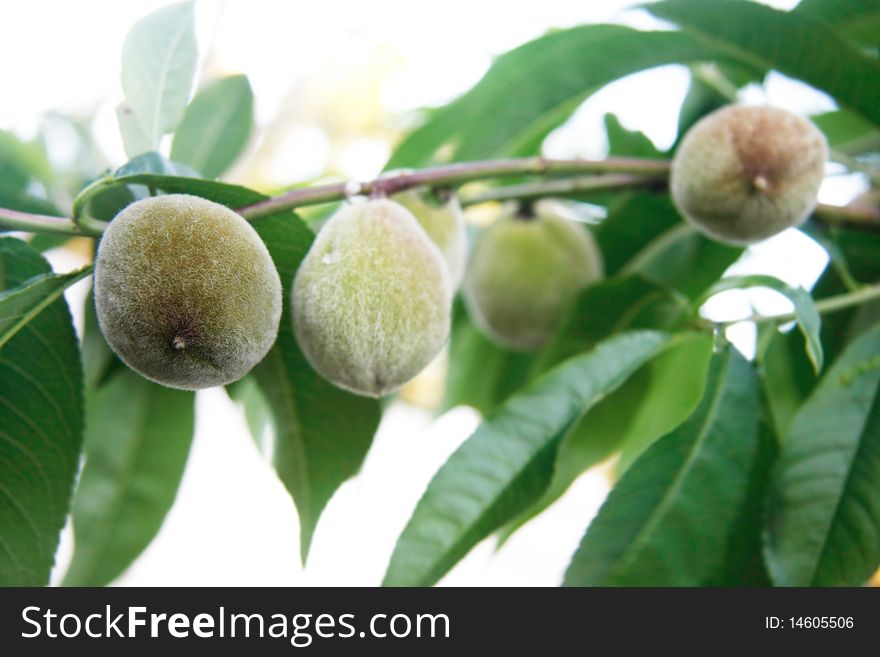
(40,223)
(824,306)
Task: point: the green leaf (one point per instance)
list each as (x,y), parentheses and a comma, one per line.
(644,234)
(257,413)
(787,375)
(159,59)
(138,436)
(656,399)
(859,20)
(41,423)
(216,126)
(153,162)
(322,433)
(670,518)
(848,132)
(499,469)
(793,43)
(628,143)
(21,304)
(808,318)
(823,518)
(523,93)
(481,374)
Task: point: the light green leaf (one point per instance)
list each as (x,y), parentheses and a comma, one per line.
(628,143)
(159,59)
(670,518)
(522,96)
(787,375)
(322,433)
(41,424)
(153,162)
(848,132)
(21,304)
(216,126)
(823,512)
(138,436)
(500,468)
(793,43)
(808,318)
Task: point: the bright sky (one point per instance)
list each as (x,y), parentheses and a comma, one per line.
(352,64)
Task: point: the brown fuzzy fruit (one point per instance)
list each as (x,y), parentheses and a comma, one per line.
(743,174)
(186,292)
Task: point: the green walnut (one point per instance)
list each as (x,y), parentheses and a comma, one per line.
(443,220)
(523,271)
(185,292)
(372,298)
(743,174)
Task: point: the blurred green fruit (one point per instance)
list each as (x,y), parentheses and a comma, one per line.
(743,174)
(444,223)
(185,292)
(524,270)
(372,299)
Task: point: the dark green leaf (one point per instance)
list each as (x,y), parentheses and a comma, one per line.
(41,423)
(823,520)
(216,126)
(322,433)
(159,59)
(669,520)
(786,374)
(808,318)
(859,20)
(21,304)
(501,467)
(791,42)
(138,435)
(656,399)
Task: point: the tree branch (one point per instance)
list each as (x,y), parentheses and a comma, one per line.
(41,223)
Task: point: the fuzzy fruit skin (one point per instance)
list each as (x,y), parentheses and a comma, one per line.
(444,224)
(743,174)
(372,299)
(185,292)
(523,272)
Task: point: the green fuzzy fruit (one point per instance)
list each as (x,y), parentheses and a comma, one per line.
(372,299)
(523,271)
(444,223)
(743,174)
(185,292)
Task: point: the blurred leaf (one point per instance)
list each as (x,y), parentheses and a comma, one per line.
(322,433)
(41,423)
(859,249)
(669,520)
(99,361)
(628,143)
(22,162)
(154,162)
(481,374)
(859,20)
(521,95)
(609,307)
(216,126)
(21,304)
(656,399)
(786,373)
(847,132)
(808,318)
(257,413)
(499,469)
(138,436)
(792,43)
(159,59)
(822,521)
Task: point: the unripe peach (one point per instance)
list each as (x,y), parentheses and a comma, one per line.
(524,270)
(743,174)
(372,299)
(186,293)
